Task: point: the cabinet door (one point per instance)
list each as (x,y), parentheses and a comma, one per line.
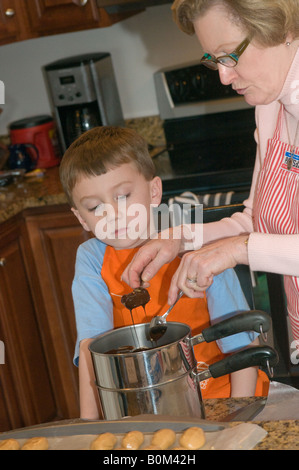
(26,391)
(55,237)
(54,16)
(10,21)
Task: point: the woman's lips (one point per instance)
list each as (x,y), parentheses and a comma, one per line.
(241,91)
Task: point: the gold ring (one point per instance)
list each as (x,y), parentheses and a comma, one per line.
(192,281)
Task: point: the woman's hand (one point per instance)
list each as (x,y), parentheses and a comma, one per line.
(197,268)
(151,257)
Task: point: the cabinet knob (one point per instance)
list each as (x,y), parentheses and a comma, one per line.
(2,262)
(10,12)
(83,2)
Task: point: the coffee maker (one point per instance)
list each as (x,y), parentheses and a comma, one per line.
(83,93)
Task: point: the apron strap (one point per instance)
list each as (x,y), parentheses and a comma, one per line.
(279,123)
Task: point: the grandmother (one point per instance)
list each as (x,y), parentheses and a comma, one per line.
(253,44)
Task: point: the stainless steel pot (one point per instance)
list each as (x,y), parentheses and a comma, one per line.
(162,378)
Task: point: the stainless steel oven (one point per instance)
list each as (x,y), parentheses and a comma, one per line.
(209,131)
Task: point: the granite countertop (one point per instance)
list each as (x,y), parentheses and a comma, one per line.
(282,435)
(28,192)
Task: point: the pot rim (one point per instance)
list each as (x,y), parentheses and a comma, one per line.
(133,353)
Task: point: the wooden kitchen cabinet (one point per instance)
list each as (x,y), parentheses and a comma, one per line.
(25,19)
(26,394)
(12,27)
(38,382)
(56,16)
(55,235)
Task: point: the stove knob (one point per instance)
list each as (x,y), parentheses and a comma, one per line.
(198,85)
(178,89)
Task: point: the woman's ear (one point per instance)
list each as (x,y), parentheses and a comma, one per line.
(156,190)
(289,39)
(82,221)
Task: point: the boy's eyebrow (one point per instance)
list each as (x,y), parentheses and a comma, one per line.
(89,197)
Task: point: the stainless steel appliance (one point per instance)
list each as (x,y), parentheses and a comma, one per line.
(161,377)
(209,132)
(83,93)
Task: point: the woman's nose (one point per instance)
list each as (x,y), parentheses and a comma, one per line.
(226,74)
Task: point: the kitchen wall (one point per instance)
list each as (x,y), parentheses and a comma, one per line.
(139,46)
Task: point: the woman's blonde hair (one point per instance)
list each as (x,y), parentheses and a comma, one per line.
(267,21)
(101,149)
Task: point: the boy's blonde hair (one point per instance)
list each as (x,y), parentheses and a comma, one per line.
(266,21)
(101,149)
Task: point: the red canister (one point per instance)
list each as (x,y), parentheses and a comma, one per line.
(41,132)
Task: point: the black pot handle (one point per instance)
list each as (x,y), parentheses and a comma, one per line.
(252,320)
(262,356)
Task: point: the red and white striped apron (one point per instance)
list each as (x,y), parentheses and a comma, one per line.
(276,209)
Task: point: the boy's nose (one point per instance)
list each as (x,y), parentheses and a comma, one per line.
(115,211)
(111,212)
(121,208)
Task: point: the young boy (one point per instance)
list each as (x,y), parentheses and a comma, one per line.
(109,177)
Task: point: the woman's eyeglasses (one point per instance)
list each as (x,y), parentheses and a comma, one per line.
(228,60)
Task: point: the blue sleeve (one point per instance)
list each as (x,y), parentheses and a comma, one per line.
(92,301)
(225,298)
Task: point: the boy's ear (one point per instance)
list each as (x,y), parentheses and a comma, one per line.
(156,190)
(82,221)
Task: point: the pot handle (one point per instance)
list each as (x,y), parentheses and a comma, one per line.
(252,320)
(263,356)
